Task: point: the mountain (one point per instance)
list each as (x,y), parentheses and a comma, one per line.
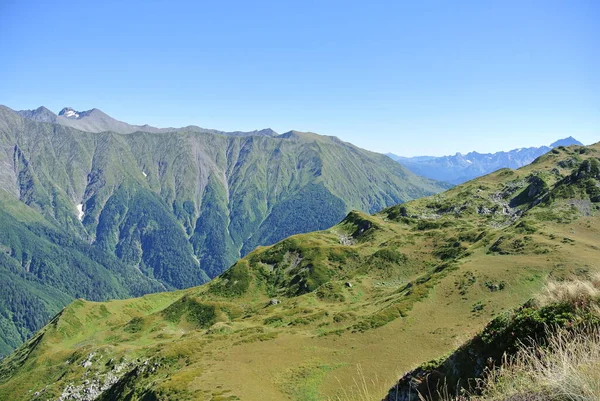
(95,120)
(40,114)
(379,293)
(461,168)
(165,211)
(566,142)
(44,267)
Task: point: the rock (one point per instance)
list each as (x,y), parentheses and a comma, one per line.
(274,302)
(88,362)
(537,187)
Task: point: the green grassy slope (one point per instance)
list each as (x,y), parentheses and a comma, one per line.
(294,320)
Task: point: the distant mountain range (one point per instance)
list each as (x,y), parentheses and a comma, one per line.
(460,168)
(101,215)
(95,120)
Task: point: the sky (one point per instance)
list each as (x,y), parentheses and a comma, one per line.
(407,77)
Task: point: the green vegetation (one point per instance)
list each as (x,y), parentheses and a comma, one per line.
(105,215)
(195,313)
(385,291)
(35,254)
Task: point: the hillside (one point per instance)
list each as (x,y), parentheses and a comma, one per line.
(459,168)
(177,208)
(294,320)
(43,268)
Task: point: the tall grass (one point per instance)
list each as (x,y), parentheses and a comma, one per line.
(566,369)
(363,389)
(577,292)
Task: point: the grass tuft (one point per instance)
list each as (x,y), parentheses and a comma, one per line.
(566,369)
(577,292)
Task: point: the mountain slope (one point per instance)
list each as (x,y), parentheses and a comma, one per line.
(461,168)
(181,207)
(43,268)
(204,187)
(293,320)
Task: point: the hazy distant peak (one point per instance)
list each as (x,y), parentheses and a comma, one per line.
(43,109)
(566,142)
(308,136)
(266,132)
(95,120)
(459,168)
(263,132)
(41,114)
(71,113)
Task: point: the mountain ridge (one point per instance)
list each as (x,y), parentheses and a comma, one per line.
(181,207)
(95,120)
(459,168)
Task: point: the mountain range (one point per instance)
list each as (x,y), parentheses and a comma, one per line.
(95,120)
(460,168)
(383,292)
(103,215)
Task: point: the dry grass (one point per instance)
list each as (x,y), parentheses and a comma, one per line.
(567,369)
(577,292)
(363,389)
(370,389)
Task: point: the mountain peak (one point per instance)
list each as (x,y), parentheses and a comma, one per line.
(41,114)
(566,142)
(266,132)
(69,112)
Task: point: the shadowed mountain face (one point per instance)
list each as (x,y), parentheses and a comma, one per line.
(293,320)
(461,168)
(174,208)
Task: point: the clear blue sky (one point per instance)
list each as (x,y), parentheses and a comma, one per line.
(408,77)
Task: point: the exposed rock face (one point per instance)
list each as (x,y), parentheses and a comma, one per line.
(536,187)
(98,382)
